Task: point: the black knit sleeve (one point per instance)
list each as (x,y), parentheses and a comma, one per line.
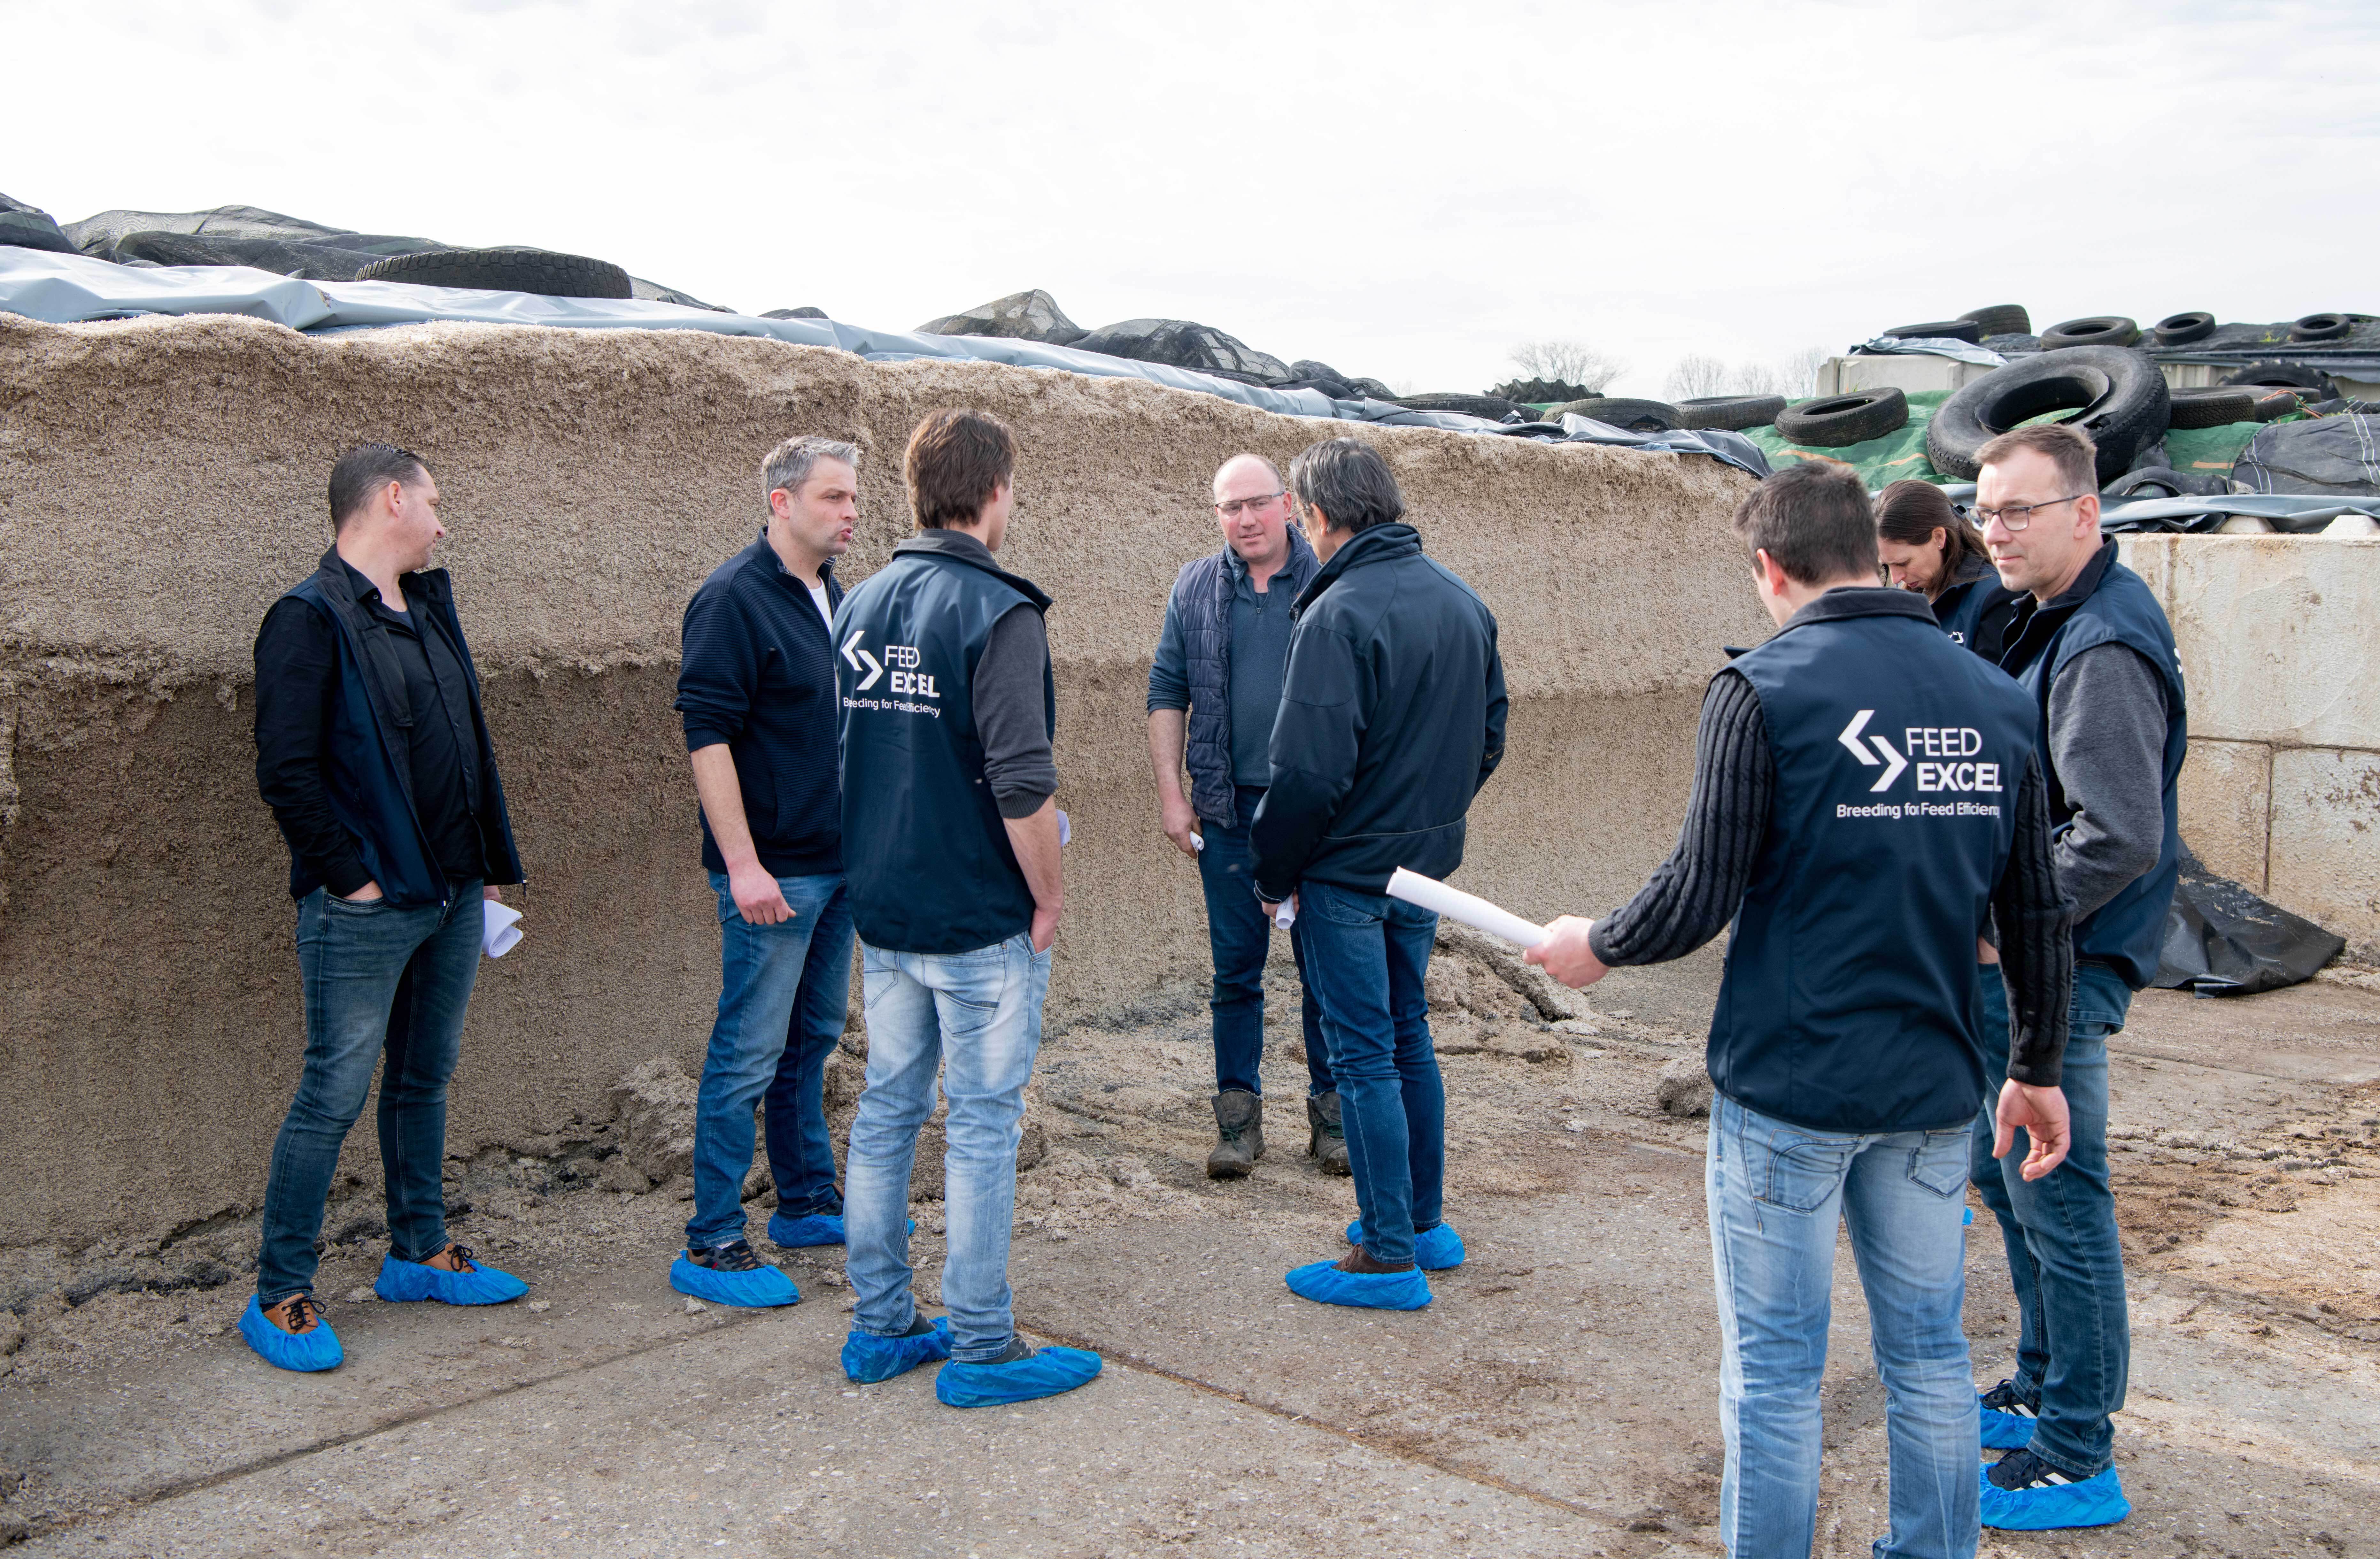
(2035,924)
(1695,894)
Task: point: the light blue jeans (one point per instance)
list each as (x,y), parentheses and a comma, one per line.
(975,1017)
(1776,1194)
(783,990)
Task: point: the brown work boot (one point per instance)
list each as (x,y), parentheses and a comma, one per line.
(1328,1142)
(1239,1123)
(297,1315)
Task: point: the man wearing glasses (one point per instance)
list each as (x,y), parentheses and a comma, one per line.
(1213,696)
(2089,641)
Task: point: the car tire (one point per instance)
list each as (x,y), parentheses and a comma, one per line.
(2096,330)
(542,272)
(1833,421)
(2161,481)
(2321,327)
(2211,408)
(2120,396)
(1493,407)
(2180,329)
(2277,404)
(2000,319)
(1623,411)
(2285,375)
(1940,330)
(1731,414)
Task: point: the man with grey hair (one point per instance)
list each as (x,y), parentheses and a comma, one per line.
(1392,717)
(756,686)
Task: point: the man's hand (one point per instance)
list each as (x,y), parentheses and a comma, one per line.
(1180,822)
(2041,1114)
(492,893)
(758,898)
(368,894)
(1045,926)
(1272,910)
(1566,955)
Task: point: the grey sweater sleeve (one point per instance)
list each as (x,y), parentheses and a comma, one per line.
(1694,893)
(2038,945)
(1012,715)
(2106,745)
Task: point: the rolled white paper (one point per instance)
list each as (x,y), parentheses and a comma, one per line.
(499,928)
(1065,829)
(1284,914)
(1198,842)
(1455,904)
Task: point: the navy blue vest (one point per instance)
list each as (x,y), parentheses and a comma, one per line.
(2117,608)
(1851,1002)
(1202,597)
(924,850)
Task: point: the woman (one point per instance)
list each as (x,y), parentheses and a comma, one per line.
(1927,547)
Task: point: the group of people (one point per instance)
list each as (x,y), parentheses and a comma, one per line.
(1939,819)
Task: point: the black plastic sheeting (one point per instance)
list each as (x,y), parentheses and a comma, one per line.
(2221,939)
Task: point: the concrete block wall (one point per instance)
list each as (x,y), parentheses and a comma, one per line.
(2280,638)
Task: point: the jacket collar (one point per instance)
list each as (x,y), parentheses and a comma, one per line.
(1300,561)
(958,547)
(760,551)
(1847,602)
(1379,544)
(2037,619)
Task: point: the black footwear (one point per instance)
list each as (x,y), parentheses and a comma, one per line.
(2008,1418)
(736,1255)
(1327,1140)
(1239,1127)
(2022,1493)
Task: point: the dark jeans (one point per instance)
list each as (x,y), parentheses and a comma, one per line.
(2074,1348)
(380,982)
(1241,938)
(1366,955)
(784,991)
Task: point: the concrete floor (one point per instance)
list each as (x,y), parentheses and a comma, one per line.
(1559,1397)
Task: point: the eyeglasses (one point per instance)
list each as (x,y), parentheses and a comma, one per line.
(1238,507)
(2016,516)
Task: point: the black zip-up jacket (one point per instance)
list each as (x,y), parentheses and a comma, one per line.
(1392,718)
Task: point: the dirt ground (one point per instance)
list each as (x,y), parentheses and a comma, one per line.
(1558,1398)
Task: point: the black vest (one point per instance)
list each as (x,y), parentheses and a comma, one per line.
(1851,1002)
(1202,596)
(925,852)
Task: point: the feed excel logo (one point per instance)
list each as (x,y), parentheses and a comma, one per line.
(900,660)
(1943,756)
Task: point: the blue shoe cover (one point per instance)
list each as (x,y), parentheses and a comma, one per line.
(2093,1502)
(1048,1372)
(2006,1432)
(868,1359)
(757,1289)
(317,1349)
(1326,1284)
(811,1228)
(1439,1249)
(401,1281)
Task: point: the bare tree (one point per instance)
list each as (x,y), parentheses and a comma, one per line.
(1801,371)
(1758,379)
(1696,376)
(1568,362)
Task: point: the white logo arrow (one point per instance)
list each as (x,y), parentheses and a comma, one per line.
(852,653)
(1894,763)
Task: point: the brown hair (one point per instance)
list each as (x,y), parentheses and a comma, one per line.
(1814,520)
(2069,448)
(1910,512)
(957,459)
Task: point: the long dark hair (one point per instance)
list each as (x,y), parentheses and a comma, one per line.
(1910,512)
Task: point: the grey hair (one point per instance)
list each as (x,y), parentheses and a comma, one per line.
(789,464)
(1349,482)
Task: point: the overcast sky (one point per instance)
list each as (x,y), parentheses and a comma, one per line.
(1400,190)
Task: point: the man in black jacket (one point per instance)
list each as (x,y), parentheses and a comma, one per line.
(372,752)
(1392,718)
(756,688)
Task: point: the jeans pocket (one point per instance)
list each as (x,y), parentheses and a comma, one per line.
(1338,909)
(1800,1173)
(355,906)
(1939,1163)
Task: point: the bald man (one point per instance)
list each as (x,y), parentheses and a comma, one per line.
(1213,692)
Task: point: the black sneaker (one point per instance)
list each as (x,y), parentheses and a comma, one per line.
(734,1256)
(2008,1418)
(2023,1494)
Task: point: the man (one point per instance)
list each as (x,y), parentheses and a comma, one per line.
(2092,647)
(951,837)
(1213,691)
(1864,794)
(756,686)
(1392,718)
(373,754)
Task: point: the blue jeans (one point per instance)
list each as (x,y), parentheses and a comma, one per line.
(2074,1343)
(1777,1193)
(379,981)
(1241,938)
(976,1018)
(1366,955)
(784,990)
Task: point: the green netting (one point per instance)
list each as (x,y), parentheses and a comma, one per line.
(2198,450)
